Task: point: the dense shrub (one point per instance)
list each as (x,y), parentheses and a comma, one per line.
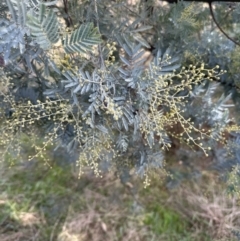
(118,83)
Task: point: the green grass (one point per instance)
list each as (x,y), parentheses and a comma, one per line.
(164,220)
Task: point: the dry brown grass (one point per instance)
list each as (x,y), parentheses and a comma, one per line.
(30,232)
(106,217)
(208,207)
(102,209)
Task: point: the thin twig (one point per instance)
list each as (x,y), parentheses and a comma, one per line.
(69,19)
(224,18)
(219,27)
(99,45)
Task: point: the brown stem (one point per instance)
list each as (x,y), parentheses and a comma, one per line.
(69,19)
(219,27)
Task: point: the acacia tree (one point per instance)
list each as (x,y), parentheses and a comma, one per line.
(117,82)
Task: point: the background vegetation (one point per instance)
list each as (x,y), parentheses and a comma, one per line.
(38,203)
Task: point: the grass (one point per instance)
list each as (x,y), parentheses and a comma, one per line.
(164,220)
(38,203)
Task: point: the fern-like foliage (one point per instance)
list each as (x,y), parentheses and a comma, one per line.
(18,11)
(82,39)
(121,89)
(13,32)
(44,27)
(122,143)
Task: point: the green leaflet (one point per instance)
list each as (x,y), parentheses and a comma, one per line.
(82,39)
(44,27)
